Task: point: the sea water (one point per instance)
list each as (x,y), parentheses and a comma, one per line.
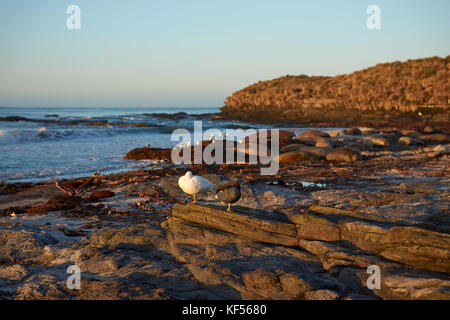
(41,149)
(50,146)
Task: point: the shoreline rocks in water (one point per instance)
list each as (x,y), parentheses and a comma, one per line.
(314,145)
(370,140)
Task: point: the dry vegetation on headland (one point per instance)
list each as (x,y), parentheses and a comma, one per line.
(383,202)
(398,90)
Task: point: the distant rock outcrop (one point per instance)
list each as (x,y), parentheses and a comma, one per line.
(415,85)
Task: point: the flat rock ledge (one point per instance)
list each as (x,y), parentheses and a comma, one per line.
(415,262)
(409,245)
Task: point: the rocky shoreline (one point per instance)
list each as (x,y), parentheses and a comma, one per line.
(341,202)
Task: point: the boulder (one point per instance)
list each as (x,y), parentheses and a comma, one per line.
(337,133)
(410,141)
(309,141)
(292,147)
(378,141)
(430,129)
(436,137)
(297,156)
(312,133)
(311,137)
(149,154)
(324,143)
(368,131)
(410,133)
(353,131)
(343,155)
(319,152)
(285,137)
(345,139)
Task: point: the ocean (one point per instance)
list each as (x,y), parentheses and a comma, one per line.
(57,142)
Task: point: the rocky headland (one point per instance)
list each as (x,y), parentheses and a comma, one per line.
(410,91)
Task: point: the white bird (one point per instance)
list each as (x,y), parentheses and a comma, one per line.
(97,174)
(194,185)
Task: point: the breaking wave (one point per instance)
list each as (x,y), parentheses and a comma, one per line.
(16,136)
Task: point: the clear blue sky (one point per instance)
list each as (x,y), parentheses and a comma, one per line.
(195,53)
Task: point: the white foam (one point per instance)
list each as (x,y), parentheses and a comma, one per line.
(43,134)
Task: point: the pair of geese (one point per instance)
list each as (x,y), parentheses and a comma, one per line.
(227,193)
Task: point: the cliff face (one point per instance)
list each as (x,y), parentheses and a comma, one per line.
(397,87)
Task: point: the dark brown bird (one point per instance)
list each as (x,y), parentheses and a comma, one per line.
(229,193)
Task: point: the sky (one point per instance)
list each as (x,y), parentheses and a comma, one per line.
(195,53)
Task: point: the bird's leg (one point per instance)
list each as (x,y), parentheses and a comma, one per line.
(229,205)
(195,200)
